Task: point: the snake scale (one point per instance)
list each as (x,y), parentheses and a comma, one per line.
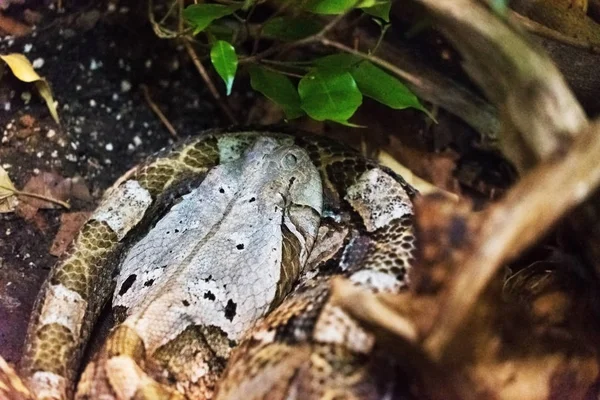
(220,252)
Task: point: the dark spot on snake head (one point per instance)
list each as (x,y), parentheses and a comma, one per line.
(208,279)
(240,246)
(230,310)
(127,284)
(149,282)
(209,295)
(185,303)
(252,199)
(221,190)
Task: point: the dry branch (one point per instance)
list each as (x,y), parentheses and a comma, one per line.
(513,72)
(541,115)
(509,227)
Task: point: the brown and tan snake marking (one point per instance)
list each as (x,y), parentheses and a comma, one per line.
(218,255)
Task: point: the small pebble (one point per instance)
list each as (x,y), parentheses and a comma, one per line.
(26,97)
(125,86)
(38,63)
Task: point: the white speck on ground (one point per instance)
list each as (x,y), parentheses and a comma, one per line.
(38,63)
(125,86)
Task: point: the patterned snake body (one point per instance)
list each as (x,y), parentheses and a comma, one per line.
(225,246)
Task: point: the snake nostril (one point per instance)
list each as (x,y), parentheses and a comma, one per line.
(290,160)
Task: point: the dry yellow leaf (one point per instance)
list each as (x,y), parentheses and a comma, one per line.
(421,185)
(8,198)
(23,70)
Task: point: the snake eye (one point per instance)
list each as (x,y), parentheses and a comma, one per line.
(289,160)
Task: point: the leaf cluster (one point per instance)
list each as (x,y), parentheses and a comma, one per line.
(324,88)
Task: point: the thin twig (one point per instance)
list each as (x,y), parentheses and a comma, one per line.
(158,112)
(35,196)
(317,37)
(366,307)
(293,75)
(209,83)
(180,7)
(374,59)
(544,31)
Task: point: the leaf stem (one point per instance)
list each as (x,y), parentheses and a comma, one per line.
(36,196)
(293,75)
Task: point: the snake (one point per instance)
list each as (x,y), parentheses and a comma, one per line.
(219,253)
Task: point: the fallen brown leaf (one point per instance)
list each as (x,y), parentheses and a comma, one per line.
(46,184)
(13,27)
(70,223)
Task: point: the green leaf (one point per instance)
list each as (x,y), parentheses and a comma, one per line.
(374,82)
(342,61)
(225,61)
(328,93)
(201,15)
(291,28)
(278,88)
(336,6)
(377,84)
(380,10)
(219,30)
